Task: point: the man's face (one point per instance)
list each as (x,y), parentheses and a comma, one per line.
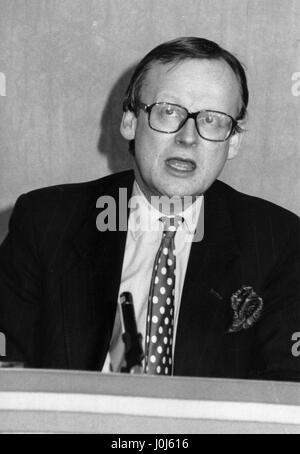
(182,163)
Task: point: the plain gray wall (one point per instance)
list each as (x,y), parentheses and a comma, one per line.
(67,63)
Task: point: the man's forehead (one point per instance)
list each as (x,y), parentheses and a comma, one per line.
(214,69)
(197,76)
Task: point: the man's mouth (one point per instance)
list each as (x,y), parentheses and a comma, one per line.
(181,165)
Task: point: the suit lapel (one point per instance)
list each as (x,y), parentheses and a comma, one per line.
(90,283)
(90,273)
(212,275)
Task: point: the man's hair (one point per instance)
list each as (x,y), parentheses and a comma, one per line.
(178,50)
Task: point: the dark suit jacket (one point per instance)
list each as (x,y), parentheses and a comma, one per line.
(60,276)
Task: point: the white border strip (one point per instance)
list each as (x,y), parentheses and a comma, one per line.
(150,407)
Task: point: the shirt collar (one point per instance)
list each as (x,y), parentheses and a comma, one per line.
(145,217)
(191,214)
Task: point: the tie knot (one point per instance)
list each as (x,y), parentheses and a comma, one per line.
(171,224)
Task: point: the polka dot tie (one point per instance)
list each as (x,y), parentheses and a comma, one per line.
(160,316)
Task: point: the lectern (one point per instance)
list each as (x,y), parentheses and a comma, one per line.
(48,401)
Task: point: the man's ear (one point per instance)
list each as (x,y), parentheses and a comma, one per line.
(128,125)
(235,143)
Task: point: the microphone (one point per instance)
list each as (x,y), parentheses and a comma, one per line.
(134,353)
(4,360)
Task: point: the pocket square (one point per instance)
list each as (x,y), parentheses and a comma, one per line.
(247,308)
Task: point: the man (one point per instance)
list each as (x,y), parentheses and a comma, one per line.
(230,306)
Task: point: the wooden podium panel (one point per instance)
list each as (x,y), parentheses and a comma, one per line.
(89,402)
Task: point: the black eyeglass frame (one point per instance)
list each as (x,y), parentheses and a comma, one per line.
(148,108)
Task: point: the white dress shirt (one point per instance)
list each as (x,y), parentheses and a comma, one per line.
(142,243)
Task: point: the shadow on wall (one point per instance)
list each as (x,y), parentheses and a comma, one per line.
(4,219)
(111,143)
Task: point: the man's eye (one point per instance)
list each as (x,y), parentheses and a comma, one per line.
(169,111)
(209,119)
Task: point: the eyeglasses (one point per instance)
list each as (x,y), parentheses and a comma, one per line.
(168,118)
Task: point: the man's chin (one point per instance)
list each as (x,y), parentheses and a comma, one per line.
(180,191)
(174,199)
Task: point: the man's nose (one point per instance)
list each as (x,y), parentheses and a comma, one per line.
(187,135)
